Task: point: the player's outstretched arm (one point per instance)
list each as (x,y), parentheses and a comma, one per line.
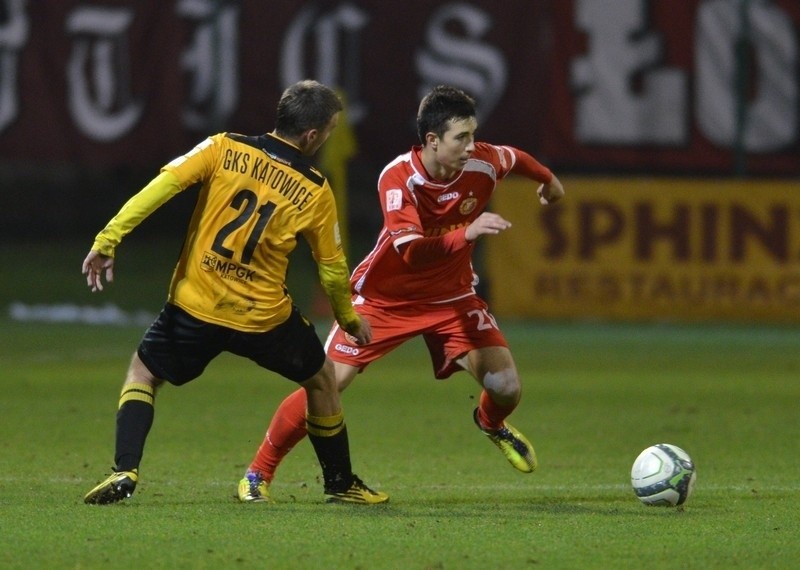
(551,189)
(551,192)
(93,267)
(424,250)
(137,208)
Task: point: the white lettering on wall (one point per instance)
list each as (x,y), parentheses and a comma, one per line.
(770,118)
(608,108)
(98,71)
(335,34)
(462,60)
(212,61)
(13,37)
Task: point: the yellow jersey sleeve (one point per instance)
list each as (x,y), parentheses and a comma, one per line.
(335,281)
(325,241)
(148,200)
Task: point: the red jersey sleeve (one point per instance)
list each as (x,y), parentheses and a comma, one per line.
(507,159)
(524,164)
(399,207)
(422,251)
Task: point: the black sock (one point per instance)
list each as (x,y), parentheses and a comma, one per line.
(134,420)
(328,435)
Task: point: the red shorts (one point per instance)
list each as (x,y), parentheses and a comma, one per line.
(450,331)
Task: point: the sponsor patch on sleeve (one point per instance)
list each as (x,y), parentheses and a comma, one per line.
(394,199)
(337,235)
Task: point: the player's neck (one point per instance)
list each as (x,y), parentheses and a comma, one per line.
(294,141)
(435,170)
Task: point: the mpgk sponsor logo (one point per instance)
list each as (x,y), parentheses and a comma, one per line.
(226,269)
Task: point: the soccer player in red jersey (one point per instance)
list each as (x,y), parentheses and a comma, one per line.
(419,280)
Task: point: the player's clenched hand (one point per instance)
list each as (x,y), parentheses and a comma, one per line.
(551,192)
(93,267)
(362,331)
(486,223)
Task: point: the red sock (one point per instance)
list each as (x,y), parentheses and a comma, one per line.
(490,415)
(287,428)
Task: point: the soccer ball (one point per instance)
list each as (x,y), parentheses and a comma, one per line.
(663,475)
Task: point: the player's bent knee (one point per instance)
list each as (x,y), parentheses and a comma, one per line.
(503,384)
(139,373)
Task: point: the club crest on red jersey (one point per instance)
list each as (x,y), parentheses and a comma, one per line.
(467,206)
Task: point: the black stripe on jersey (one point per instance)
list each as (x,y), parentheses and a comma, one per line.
(283,153)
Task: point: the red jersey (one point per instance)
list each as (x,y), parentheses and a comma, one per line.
(414,205)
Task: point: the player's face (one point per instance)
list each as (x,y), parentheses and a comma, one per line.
(457,144)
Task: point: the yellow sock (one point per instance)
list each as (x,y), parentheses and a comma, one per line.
(324,426)
(135,391)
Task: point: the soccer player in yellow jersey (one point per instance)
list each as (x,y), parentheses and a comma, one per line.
(228,292)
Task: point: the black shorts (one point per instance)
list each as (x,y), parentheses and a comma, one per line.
(177,347)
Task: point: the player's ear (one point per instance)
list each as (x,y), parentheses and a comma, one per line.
(431,140)
(308,138)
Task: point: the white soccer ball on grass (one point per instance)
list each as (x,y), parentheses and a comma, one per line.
(663,475)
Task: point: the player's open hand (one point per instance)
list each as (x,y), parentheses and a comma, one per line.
(552,192)
(486,223)
(93,267)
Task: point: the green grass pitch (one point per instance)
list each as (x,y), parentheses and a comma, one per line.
(594,396)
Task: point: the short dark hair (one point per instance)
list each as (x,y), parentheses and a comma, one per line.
(443,104)
(306,105)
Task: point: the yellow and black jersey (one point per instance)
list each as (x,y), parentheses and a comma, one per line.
(257,194)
